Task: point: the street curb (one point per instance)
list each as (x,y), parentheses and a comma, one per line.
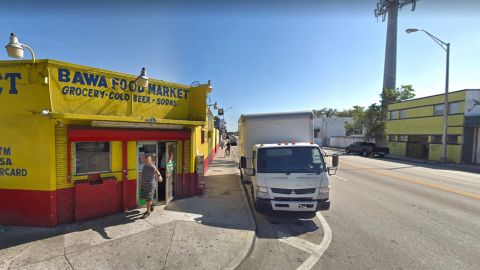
(249,239)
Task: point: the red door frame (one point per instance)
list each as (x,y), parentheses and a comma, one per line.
(88,134)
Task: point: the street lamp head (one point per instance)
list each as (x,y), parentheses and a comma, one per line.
(143,79)
(411,30)
(14,48)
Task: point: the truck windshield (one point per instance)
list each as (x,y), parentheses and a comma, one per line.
(289,160)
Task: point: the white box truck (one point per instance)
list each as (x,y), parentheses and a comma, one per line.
(286,169)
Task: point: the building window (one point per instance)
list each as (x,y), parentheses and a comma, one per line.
(402,138)
(454,107)
(452,139)
(392,138)
(92,157)
(394,115)
(438,109)
(436,139)
(202,135)
(403,114)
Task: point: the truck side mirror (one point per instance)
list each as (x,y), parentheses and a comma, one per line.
(243,162)
(335,160)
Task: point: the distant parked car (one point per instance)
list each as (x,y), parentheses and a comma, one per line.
(367,149)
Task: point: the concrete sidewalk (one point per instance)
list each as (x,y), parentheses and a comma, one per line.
(212,231)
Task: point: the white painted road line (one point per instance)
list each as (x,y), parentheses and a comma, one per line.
(327,239)
(341,178)
(316,251)
(298,243)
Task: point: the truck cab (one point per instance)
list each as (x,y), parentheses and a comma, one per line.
(288,177)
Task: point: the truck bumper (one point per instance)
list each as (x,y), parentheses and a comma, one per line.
(297,206)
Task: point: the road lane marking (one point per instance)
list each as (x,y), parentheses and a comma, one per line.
(298,243)
(341,178)
(315,251)
(420,182)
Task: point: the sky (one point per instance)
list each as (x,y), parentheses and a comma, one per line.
(261,56)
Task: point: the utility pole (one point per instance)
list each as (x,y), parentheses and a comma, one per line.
(384,9)
(390,8)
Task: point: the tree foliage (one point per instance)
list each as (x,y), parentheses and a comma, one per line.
(368,120)
(372,119)
(389,96)
(330,112)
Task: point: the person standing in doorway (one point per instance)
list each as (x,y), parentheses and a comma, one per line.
(150,176)
(170,167)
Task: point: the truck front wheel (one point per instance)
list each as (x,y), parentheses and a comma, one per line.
(256,206)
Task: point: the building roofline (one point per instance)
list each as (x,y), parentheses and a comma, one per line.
(450,92)
(266,115)
(83,67)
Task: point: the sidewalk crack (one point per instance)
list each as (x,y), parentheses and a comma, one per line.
(66,258)
(68,261)
(169,245)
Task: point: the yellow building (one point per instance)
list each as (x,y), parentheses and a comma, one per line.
(415,127)
(73,137)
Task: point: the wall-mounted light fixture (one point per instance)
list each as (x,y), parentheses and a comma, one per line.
(15,48)
(142,79)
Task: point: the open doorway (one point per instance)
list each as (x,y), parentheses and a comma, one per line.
(145,148)
(165,154)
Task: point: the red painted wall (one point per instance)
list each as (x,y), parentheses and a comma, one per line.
(65,205)
(28,207)
(95,200)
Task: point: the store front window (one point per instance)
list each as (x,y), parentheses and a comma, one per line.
(92,157)
(437,139)
(394,115)
(438,110)
(454,107)
(452,139)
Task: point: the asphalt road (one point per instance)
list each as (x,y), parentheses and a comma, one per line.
(385,214)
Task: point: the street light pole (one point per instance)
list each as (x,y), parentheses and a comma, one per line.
(445,106)
(445,46)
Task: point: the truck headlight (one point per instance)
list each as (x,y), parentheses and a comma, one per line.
(323,192)
(262,192)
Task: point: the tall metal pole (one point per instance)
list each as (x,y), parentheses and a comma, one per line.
(445,107)
(390,65)
(446,47)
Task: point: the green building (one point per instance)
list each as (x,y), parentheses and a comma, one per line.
(415,127)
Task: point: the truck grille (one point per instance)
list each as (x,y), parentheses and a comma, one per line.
(289,199)
(293,191)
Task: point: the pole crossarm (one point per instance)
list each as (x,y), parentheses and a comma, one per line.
(441,43)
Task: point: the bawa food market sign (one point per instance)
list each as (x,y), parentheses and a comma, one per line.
(96,86)
(84,91)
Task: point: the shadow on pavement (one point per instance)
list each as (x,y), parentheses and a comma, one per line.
(222,204)
(17,235)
